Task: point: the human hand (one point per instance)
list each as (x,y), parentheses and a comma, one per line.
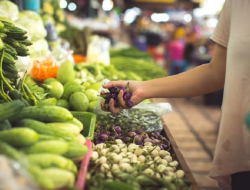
(136,90)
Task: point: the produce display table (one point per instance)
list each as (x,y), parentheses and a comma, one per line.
(178,156)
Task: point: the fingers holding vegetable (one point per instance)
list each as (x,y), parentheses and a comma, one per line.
(117,98)
(125,94)
(114,84)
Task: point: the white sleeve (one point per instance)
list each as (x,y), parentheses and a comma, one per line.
(222,31)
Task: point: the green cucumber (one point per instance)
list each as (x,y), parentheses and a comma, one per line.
(40,177)
(50,146)
(10,152)
(5,125)
(81,139)
(46,129)
(75,150)
(36,172)
(42,137)
(70,128)
(10,109)
(19,137)
(45,160)
(47,102)
(77,123)
(43,113)
(61,178)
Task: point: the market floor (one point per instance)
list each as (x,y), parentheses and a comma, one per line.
(194,127)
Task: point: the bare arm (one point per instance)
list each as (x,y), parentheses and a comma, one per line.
(204,79)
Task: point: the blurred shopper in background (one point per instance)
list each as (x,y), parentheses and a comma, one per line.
(175,52)
(229,68)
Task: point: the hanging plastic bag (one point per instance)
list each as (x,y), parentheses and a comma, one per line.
(43,67)
(145,116)
(62,55)
(98,50)
(14,177)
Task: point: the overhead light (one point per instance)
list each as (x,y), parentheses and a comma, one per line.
(187,17)
(107,5)
(137,10)
(129,16)
(72,6)
(212,22)
(198,12)
(160,17)
(63,4)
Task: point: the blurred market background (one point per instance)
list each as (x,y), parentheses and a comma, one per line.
(126,35)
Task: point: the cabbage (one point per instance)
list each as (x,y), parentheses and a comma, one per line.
(39,47)
(32,22)
(35,29)
(30,15)
(8,9)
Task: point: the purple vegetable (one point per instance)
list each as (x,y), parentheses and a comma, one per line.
(113,134)
(127,87)
(98,127)
(164,147)
(126,140)
(157,133)
(95,134)
(140,143)
(120,88)
(103,137)
(108,133)
(129,104)
(106,96)
(162,138)
(156,141)
(97,142)
(116,105)
(138,132)
(118,129)
(127,96)
(114,96)
(111,128)
(112,89)
(131,134)
(138,138)
(118,136)
(147,140)
(144,135)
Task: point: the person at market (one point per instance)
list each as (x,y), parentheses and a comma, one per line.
(175,52)
(229,68)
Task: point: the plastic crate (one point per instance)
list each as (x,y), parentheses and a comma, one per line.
(89,121)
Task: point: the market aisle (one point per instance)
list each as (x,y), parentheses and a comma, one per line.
(194,128)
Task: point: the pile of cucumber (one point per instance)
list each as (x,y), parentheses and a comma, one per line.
(46,140)
(13,43)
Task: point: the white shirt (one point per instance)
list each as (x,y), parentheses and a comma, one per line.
(232,153)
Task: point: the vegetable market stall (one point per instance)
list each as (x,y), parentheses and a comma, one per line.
(178,156)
